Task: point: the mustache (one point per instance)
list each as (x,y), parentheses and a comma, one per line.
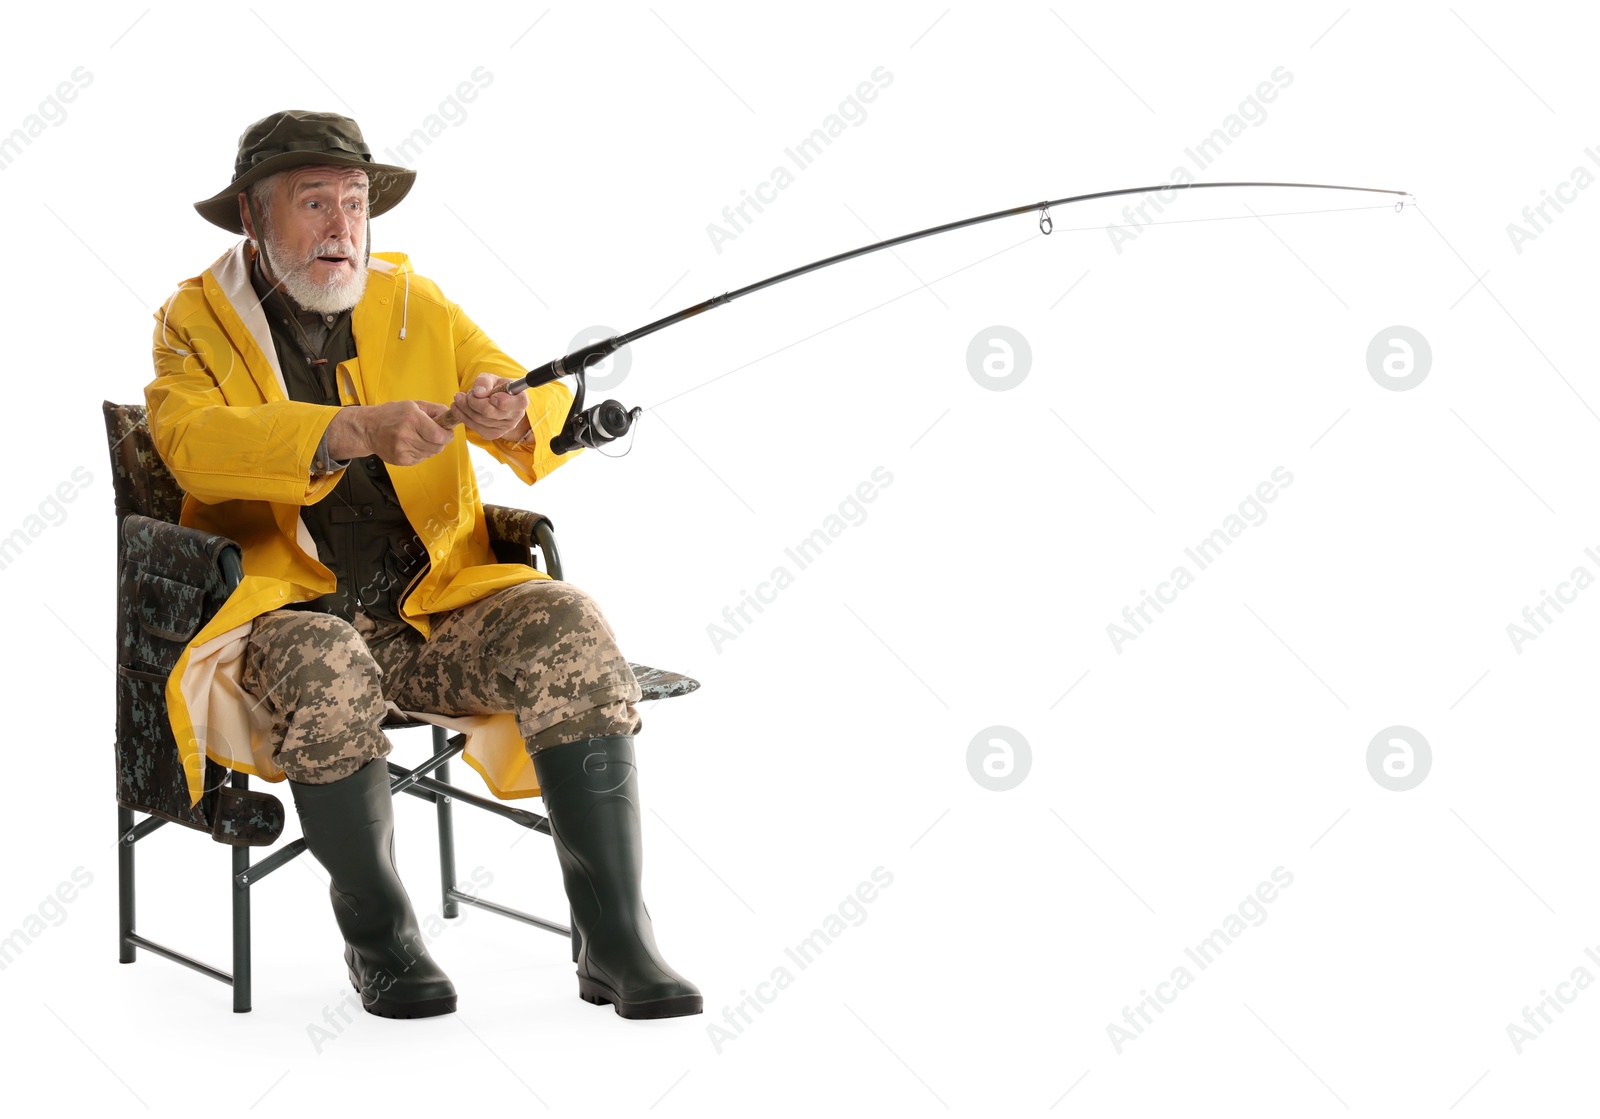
(345,249)
(292,270)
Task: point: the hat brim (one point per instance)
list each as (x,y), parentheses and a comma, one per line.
(389,184)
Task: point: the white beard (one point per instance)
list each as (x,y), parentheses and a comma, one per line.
(326,299)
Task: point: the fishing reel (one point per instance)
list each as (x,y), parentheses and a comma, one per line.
(592,427)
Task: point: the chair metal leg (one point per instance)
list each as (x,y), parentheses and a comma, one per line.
(241,918)
(125,949)
(447,835)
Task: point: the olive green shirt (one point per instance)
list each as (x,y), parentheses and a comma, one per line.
(360,530)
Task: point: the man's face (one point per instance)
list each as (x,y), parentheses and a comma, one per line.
(315,236)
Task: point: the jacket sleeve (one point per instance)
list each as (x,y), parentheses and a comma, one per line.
(532,458)
(324,463)
(220,452)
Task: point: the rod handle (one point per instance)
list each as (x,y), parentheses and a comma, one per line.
(579,359)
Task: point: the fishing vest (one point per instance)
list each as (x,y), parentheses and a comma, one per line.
(360,530)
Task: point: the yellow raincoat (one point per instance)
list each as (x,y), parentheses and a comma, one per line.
(222,420)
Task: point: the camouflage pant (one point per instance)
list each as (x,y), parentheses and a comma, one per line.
(541,650)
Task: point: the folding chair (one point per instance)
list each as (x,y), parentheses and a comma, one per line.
(170,581)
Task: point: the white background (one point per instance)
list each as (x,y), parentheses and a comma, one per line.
(831,737)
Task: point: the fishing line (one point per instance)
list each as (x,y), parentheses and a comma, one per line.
(608,420)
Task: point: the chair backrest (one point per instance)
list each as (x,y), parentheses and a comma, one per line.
(141,481)
(150,774)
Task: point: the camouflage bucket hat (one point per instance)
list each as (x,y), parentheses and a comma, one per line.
(294,138)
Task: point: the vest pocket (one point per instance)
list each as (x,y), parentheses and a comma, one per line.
(405,564)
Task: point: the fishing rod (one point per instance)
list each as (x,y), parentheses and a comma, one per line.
(610,420)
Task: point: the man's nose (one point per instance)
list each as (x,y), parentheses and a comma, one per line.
(341,225)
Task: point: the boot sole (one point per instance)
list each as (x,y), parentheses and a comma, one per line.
(676,1007)
(421,1008)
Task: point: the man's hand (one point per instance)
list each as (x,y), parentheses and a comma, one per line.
(402,432)
(489,412)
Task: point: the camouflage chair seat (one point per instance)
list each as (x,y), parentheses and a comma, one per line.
(170,581)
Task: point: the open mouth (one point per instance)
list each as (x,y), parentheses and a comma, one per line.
(333,260)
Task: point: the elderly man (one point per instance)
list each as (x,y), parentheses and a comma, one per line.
(298,381)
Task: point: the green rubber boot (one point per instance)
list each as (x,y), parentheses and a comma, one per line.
(591,792)
(349,827)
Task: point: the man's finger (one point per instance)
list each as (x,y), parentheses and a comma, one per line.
(475,406)
(489,411)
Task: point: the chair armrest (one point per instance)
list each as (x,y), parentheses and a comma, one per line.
(519,529)
(512,525)
(203,560)
(513,533)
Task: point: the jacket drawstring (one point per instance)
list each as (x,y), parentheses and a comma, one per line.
(406,306)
